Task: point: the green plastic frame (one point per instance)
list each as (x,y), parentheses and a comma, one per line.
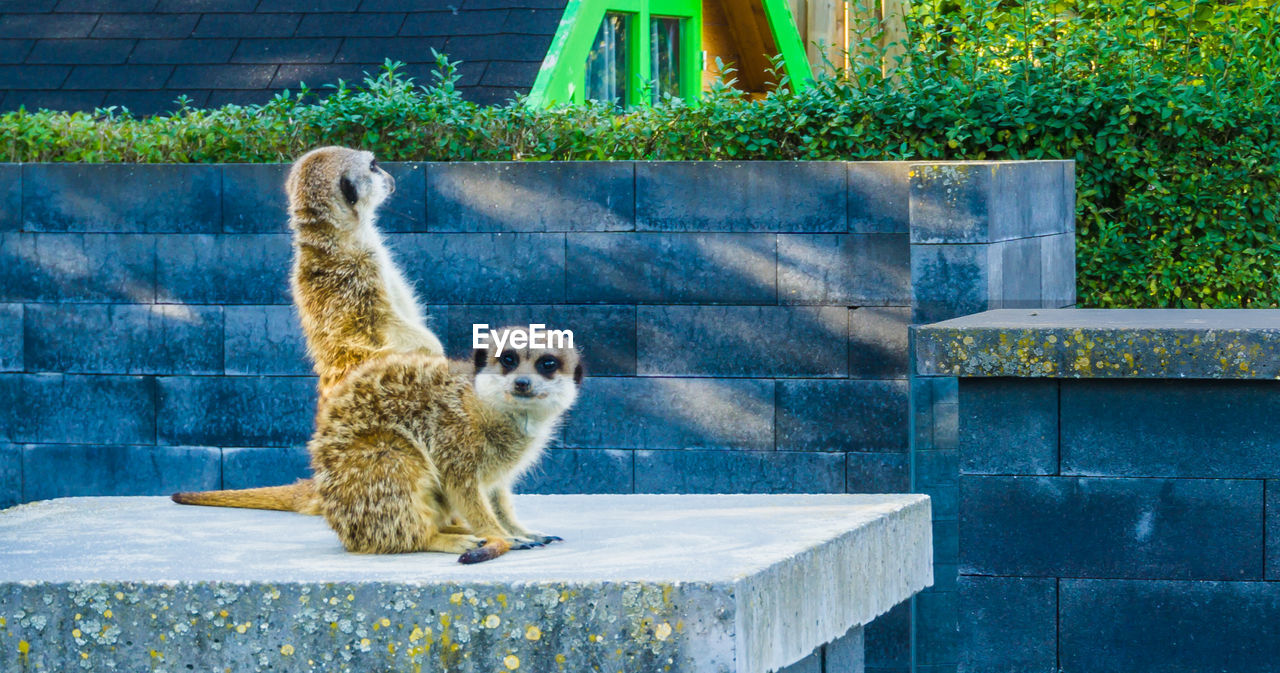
(561,77)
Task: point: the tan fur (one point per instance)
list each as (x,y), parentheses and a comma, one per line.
(352,299)
(403,445)
(299,496)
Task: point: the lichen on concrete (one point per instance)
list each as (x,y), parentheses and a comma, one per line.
(1096,343)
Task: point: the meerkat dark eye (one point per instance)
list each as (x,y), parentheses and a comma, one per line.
(373,165)
(547,365)
(508,360)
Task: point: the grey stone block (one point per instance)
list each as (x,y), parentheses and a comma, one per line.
(672,268)
(223,269)
(253,198)
(235,411)
(846,654)
(75,52)
(580,471)
(1203,529)
(849,269)
(287,50)
(953,280)
(483,268)
(121,198)
(10,412)
(145,25)
(127,77)
(109,268)
(61,470)
(1171,428)
(982,202)
(878,472)
(672,413)
(951,203)
(71,409)
(946,541)
(182,51)
(251,467)
(1272,516)
(10,197)
(10,475)
(842,415)
(739,472)
(531,196)
(803,196)
(878,343)
(937,475)
(1020,273)
(11,350)
(746,341)
(938,642)
(1058,270)
(46,25)
(246,25)
(264,340)
(879,197)
(606,335)
(1008,426)
(888,640)
(1008,625)
(1169,627)
(1032,198)
(124,338)
(1104,343)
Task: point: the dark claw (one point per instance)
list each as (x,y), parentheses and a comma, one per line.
(526,545)
(548,539)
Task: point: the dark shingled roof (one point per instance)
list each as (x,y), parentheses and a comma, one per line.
(81,54)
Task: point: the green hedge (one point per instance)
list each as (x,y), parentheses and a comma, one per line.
(1169,108)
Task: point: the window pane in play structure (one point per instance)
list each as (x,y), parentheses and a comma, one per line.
(607,62)
(664,50)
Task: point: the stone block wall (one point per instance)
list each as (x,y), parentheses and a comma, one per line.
(744,324)
(1113,515)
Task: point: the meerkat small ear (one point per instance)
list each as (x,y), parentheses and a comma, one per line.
(348,191)
(578,373)
(479,356)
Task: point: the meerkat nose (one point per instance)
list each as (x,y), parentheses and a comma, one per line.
(523,384)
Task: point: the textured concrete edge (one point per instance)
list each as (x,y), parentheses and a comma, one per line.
(1097,353)
(362,626)
(818,595)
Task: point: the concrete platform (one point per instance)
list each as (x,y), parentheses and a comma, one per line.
(642,584)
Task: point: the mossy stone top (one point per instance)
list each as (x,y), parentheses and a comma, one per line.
(1103,343)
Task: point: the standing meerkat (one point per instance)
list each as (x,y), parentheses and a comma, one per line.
(351,298)
(406,444)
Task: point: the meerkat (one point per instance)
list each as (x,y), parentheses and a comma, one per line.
(352,299)
(405,445)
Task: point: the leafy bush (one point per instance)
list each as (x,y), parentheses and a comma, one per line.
(1169,108)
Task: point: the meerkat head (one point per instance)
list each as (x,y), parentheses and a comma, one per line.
(338,184)
(540,381)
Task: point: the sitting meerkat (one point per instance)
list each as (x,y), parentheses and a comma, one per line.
(405,444)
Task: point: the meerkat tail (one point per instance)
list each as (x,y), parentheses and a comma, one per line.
(299,496)
(492,549)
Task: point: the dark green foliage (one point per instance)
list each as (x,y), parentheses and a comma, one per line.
(1170,110)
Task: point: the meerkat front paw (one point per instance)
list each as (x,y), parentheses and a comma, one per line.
(455,544)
